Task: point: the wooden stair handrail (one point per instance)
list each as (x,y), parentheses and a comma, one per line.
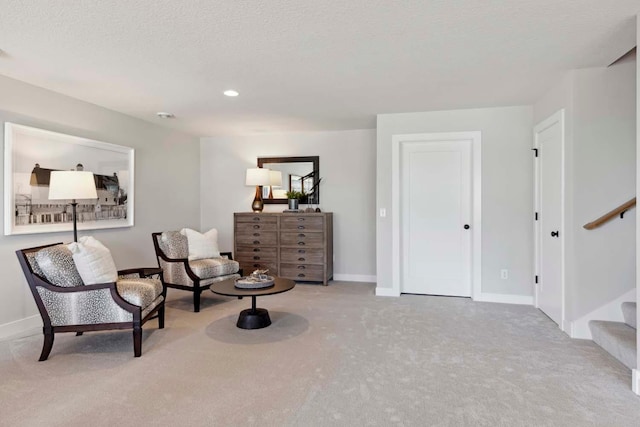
(611,214)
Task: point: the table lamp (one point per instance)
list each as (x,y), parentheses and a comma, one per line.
(73,185)
(257,177)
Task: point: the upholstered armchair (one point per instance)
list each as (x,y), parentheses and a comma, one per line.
(172,252)
(66,304)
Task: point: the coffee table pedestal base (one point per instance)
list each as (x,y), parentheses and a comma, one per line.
(253,318)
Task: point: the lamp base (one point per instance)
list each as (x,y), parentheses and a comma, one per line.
(257,204)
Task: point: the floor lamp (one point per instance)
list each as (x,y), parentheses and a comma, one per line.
(73,185)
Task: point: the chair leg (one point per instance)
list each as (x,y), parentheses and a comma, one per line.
(196,300)
(161,317)
(137,341)
(48,344)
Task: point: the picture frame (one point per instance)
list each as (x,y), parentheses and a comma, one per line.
(31,154)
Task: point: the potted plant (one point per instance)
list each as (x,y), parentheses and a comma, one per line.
(294,198)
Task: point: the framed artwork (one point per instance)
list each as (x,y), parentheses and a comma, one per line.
(31,154)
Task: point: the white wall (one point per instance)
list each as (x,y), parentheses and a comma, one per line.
(347,168)
(635,384)
(600,155)
(507,189)
(604,150)
(166,193)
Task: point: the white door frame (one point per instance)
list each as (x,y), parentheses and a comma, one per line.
(557,117)
(476,202)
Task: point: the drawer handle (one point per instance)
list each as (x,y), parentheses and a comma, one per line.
(300,219)
(301,227)
(301,235)
(256,242)
(302,267)
(256,226)
(256,257)
(255,218)
(256,234)
(300,243)
(256,249)
(300,259)
(256,265)
(301,251)
(301,275)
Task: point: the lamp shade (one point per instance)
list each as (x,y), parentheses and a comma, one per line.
(275,178)
(257,176)
(72,185)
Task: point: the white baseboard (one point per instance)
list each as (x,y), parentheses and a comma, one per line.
(386,292)
(610,311)
(505,298)
(635,381)
(28,326)
(354,278)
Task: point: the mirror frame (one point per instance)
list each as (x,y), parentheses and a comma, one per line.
(300,159)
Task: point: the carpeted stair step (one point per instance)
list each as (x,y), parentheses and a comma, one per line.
(617,338)
(629,313)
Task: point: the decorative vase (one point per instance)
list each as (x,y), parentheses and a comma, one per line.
(293,204)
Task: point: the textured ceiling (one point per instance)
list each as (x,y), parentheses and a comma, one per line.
(305,64)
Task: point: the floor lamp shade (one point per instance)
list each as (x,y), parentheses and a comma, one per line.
(257,177)
(72,185)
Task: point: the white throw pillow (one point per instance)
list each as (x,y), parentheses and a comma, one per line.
(202,246)
(93,261)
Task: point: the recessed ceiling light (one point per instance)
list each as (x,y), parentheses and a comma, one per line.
(231,92)
(164,115)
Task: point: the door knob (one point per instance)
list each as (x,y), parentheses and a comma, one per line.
(555,233)
(467,226)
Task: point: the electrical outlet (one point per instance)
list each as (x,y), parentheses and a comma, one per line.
(383,212)
(504,274)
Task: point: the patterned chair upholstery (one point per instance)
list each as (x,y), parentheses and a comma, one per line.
(67,305)
(196,276)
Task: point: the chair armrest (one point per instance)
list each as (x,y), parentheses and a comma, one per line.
(63,306)
(227,254)
(141,272)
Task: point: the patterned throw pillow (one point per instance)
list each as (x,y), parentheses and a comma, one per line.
(56,262)
(174,244)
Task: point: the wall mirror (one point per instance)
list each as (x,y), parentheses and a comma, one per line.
(296,173)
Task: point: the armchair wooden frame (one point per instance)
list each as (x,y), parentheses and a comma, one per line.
(35,281)
(197,288)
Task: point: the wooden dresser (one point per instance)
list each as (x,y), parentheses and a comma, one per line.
(297,246)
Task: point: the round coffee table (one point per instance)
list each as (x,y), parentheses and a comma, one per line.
(252,318)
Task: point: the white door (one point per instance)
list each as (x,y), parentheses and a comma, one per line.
(549,142)
(435,203)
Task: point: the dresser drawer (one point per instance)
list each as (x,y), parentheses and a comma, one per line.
(293,255)
(257,218)
(245,251)
(301,222)
(250,227)
(257,257)
(257,238)
(302,239)
(249,267)
(302,272)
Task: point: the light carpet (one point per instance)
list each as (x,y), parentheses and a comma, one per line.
(334,356)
